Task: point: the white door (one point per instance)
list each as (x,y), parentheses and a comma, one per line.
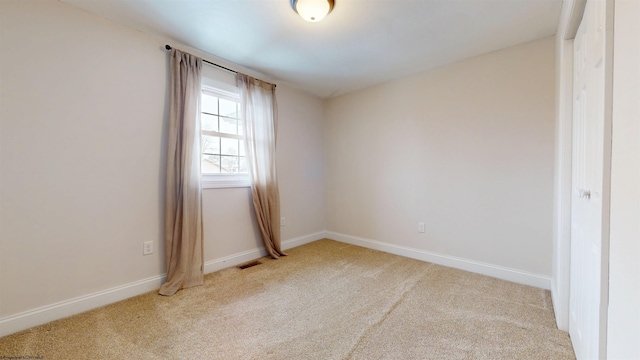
(586,280)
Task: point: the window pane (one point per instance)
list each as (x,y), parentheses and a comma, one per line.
(209,104)
(210,144)
(228,126)
(229,146)
(210,164)
(242,167)
(209,122)
(228,108)
(241,149)
(229,164)
(240,128)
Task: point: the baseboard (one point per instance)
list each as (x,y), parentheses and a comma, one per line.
(62,309)
(299,241)
(239,258)
(59,310)
(513,275)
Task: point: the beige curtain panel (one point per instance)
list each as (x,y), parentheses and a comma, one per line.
(259,112)
(183,213)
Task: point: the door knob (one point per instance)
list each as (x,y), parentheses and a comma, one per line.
(585,194)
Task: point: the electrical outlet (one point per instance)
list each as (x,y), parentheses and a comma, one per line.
(420,227)
(147,248)
(283,221)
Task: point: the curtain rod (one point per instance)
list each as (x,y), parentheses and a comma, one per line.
(168,47)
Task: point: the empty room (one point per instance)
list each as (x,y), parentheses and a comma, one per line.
(320,179)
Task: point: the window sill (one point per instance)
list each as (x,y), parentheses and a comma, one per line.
(222,181)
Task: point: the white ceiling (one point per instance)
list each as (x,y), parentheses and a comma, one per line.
(360,44)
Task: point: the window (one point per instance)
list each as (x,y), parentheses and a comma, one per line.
(222,135)
(223,162)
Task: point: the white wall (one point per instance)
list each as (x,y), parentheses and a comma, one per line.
(82,118)
(623,326)
(300,162)
(467,149)
(82,129)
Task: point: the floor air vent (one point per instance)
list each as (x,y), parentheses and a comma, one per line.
(249,264)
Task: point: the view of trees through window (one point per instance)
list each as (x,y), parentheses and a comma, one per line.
(222,135)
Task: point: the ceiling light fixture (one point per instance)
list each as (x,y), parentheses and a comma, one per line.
(312,10)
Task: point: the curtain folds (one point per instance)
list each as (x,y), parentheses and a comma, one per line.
(183,211)
(259,114)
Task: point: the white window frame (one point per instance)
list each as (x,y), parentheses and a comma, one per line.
(221,181)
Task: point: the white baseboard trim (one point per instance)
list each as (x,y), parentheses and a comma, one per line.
(299,241)
(62,309)
(233,260)
(513,275)
(239,258)
(59,310)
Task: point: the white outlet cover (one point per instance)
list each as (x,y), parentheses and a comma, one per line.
(147,248)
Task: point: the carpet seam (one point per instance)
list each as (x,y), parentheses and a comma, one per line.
(384,317)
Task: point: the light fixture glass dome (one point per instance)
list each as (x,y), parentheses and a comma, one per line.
(312,10)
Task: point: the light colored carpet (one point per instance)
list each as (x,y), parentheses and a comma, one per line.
(327,300)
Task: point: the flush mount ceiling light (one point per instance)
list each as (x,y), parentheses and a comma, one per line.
(312,10)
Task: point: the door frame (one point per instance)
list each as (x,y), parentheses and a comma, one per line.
(570,19)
